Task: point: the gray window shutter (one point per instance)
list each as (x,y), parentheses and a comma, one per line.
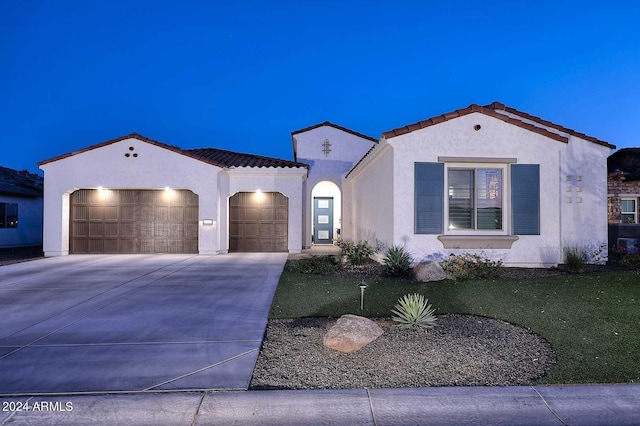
(429,198)
(525,199)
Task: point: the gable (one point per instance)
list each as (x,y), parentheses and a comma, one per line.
(131,137)
(501,112)
(344,144)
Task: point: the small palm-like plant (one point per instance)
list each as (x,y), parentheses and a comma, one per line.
(397,261)
(413,310)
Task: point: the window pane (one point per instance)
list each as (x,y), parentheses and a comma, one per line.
(461,199)
(628,206)
(628,218)
(489,198)
(3,215)
(12,215)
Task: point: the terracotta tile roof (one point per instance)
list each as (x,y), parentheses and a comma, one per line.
(493,110)
(20,183)
(216,157)
(237,159)
(335,126)
(498,106)
(355,166)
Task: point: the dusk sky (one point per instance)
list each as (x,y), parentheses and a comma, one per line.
(241,75)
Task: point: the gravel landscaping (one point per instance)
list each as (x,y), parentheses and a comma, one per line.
(462,350)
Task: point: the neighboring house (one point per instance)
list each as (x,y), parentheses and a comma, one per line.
(624,199)
(20,208)
(483,178)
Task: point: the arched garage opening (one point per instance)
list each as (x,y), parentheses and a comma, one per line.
(326,208)
(129,221)
(258,222)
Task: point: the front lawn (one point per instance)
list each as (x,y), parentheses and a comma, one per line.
(591,320)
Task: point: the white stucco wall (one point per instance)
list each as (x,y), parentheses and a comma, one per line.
(287,181)
(29,230)
(497,139)
(107,167)
(372,199)
(584,190)
(346,150)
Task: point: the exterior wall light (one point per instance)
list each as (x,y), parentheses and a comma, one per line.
(207,222)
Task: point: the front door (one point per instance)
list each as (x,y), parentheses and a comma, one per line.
(323,220)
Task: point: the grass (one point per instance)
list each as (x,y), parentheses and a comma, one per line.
(591,320)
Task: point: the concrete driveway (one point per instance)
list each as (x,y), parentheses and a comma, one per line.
(101,323)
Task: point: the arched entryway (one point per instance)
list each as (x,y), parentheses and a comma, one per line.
(326,212)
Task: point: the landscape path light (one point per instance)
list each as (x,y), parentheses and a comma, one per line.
(363,286)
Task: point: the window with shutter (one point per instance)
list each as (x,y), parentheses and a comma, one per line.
(525,199)
(429,198)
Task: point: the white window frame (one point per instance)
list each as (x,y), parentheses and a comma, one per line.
(635,213)
(506,198)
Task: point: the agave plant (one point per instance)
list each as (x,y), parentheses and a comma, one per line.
(397,261)
(413,310)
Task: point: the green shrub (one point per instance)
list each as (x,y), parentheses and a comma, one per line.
(575,258)
(356,253)
(397,262)
(631,259)
(314,265)
(468,266)
(413,311)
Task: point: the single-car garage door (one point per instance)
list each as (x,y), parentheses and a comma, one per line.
(258,222)
(133,221)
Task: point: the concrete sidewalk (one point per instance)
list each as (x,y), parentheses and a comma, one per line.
(539,405)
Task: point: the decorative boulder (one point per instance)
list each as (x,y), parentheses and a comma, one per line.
(351,333)
(429,271)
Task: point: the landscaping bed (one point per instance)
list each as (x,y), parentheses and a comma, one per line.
(590,321)
(462,350)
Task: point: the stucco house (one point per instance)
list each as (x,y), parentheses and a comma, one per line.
(623,196)
(483,178)
(20,208)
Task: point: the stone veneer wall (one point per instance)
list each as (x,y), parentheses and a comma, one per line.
(617,189)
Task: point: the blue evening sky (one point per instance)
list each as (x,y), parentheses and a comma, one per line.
(241,75)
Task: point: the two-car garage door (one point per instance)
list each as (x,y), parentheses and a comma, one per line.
(133,221)
(166,221)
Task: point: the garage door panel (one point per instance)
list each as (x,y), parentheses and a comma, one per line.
(80,229)
(96,229)
(96,213)
(258,222)
(133,221)
(127,229)
(79,212)
(252,214)
(127,212)
(267,214)
(127,245)
(96,245)
(191,214)
(111,229)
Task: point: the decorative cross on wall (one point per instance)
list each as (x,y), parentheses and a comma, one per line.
(326,147)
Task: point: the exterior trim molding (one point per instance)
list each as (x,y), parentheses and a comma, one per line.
(477,160)
(477,241)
